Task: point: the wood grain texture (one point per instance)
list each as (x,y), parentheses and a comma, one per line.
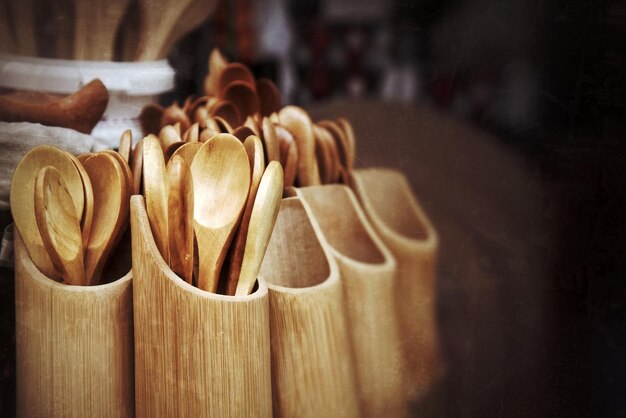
(312,368)
(74,345)
(403,226)
(197,354)
(368,274)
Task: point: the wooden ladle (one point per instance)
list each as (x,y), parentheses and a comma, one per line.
(59,224)
(221,180)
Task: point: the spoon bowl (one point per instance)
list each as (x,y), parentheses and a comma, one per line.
(221,181)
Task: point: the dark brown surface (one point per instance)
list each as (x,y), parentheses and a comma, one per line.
(494,307)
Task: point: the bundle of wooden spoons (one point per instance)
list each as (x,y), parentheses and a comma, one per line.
(311,153)
(218,193)
(70,212)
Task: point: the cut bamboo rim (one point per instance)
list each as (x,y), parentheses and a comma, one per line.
(74,345)
(368,272)
(405,229)
(196,353)
(312,369)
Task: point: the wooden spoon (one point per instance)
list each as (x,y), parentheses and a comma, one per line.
(235,71)
(21,199)
(175,114)
(111,204)
(254,149)
(126,145)
(243,95)
(243,132)
(87,215)
(288,155)
(180,222)
(216,64)
(187,151)
(137,167)
(80,111)
(221,180)
(191,135)
(227,111)
(157,21)
(261,225)
(155,191)
(168,136)
(269,140)
(224,126)
(150,118)
(298,122)
(59,225)
(269,96)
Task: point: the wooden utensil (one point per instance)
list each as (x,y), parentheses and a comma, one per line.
(137,167)
(269,96)
(79,111)
(23,190)
(261,225)
(224,126)
(180,222)
(242,133)
(155,190)
(288,154)
(192,134)
(216,65)
(243,96)
(168,136)
(96,25)
(221,180)
(234,71)
(269,140)
(59,225)
(87,215)
(228,111)
(175,114)
(111,203)
(254,150)
(156,23)
(187,151)
(298,122)
(150,118)
(128,175)
(126,145)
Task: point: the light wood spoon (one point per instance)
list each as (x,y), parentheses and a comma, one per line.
(23,190)
(111,205)
(298,122)
(155,191)
(243,96)
(187,151)
(256,157)
(216,64)
(288,155)
(87,215)
(126,145)
(261,225)
(269,140)
(234,71)
(221,180)
(59,224)
(180,222)
(227,111)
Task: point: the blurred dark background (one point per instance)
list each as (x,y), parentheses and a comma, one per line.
(547,79)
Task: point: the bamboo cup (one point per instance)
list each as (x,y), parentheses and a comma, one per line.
(405,229)
(312,368)
(196,353)
(368,271)
(74,345)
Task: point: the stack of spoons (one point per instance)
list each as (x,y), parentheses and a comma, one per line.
(70,212)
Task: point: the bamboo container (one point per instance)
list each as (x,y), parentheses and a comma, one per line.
(197,353)
(402,224)
(312,368)
(368,271)
(74,345)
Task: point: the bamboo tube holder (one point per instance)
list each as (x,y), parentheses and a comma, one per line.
(196,353)
(402,224)
(74,345)
(368,272)
(312,369)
